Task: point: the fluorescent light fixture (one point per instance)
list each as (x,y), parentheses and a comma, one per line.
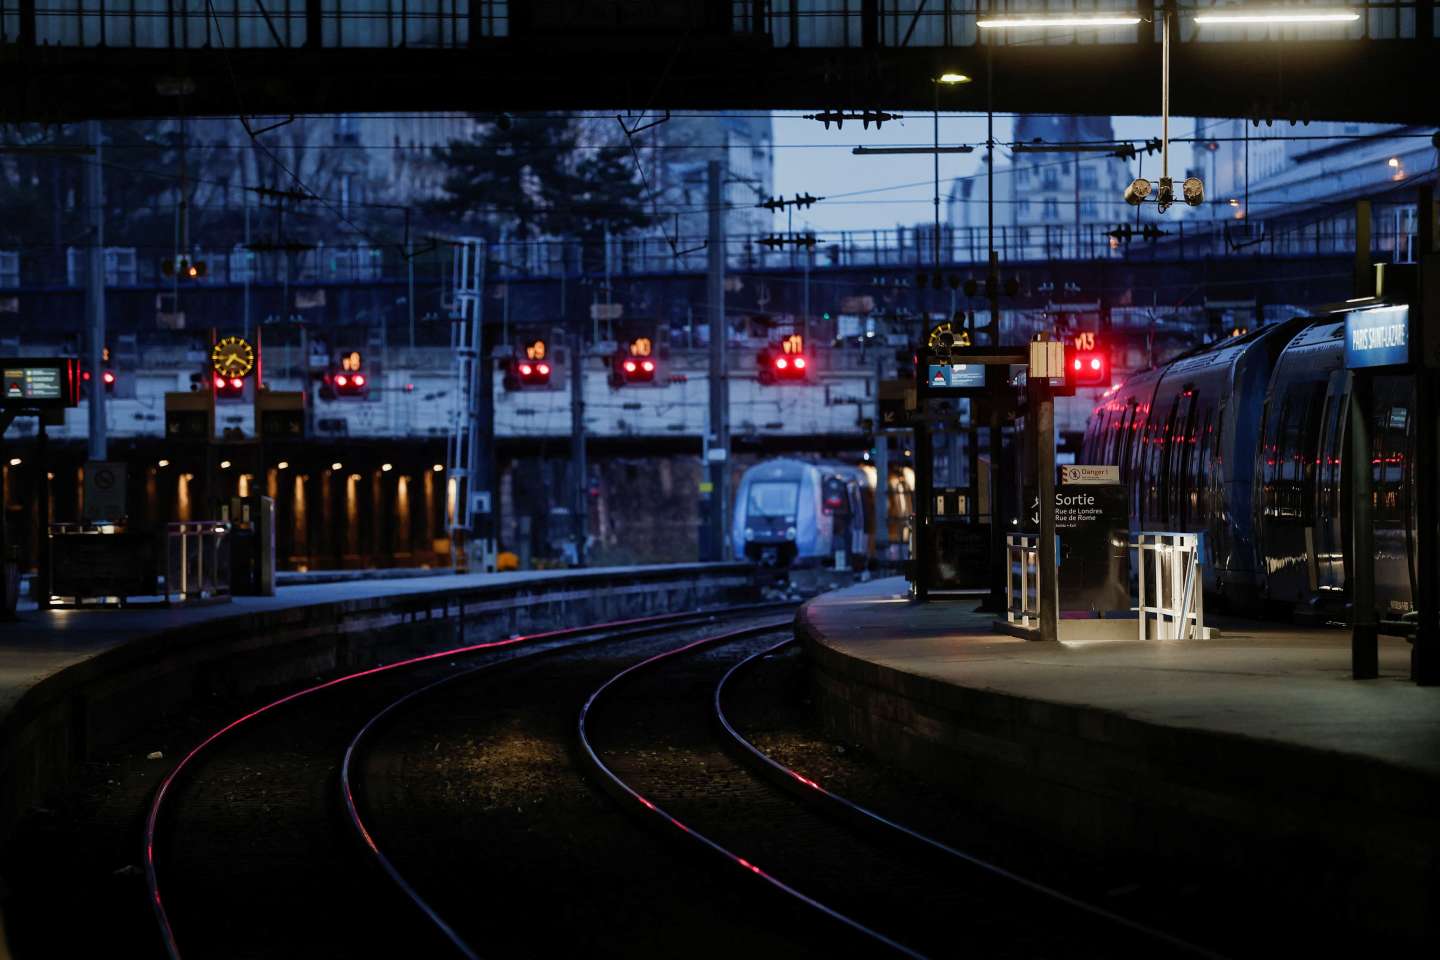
(1278,16)
(1019,23)
(949,77)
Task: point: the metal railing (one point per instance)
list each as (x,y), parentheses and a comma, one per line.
(197,561)
(1176,597)
(1022,564)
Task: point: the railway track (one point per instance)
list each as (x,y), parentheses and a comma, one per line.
(881,885)
(248,849)
(440,806)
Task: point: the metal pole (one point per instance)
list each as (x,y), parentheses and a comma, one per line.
(580,511)
(882,471)
(246,302)
(719,446)
(42,465)
(999,562)
(1042,408)
(95,292)
(1425,654)
(936,84)
(1364,642)
(410,278)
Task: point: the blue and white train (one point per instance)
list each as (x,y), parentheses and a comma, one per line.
(1246,442)
(796,513)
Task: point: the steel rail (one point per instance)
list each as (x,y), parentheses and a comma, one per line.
(617,787)
(157,804)
(854,812)
(352,750)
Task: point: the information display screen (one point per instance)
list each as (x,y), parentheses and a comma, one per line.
(956,376)
(34,383)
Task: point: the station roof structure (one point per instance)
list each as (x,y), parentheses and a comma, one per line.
(228,57)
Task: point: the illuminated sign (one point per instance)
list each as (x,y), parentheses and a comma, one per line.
(34,383)
(47,383)
(535,350)
(1377,338)
(640,347)
(1084,341)
(351,362)
(956,376)
(793,344)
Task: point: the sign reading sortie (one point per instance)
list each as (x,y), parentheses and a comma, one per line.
(1377,338)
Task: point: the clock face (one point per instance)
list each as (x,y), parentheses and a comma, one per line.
(233,357)
(942,338)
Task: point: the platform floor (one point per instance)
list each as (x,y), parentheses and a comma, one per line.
(1268,681)
(41,644)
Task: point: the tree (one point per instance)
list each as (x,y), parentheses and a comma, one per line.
(534,177)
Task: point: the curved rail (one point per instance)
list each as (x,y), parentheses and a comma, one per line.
(612,782)
(857,812)
(357,822)
(152,881)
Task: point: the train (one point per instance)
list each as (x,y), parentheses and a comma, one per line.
(794,514)
(1245,442)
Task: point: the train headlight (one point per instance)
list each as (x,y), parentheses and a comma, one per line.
(749,533)
(789,533)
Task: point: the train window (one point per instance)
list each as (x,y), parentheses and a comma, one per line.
(1291,460)
(1182,457)
(772,499)
(1391,445)
(1197,508)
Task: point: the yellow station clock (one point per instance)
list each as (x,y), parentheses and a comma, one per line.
(943,336)
(233,357)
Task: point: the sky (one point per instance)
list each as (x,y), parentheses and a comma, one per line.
(862,190)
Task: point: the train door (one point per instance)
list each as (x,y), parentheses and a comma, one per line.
(1391,442)
(1330,542)
(1182,444)
(1287,492)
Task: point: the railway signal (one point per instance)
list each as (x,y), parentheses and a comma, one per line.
(635,363)
(350,380)
(1086,368)
(184,268)
(530,368)
(788,361)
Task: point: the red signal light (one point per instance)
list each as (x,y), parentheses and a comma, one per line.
(648,366)
(799,363)
(781,363)
(1088,368)
(108,377)
(359,379)
(526,369)
(543,369)
(341,380)
(219,382)
(630,366)
(237,383)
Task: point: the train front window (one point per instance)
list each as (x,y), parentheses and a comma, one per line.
(772,499)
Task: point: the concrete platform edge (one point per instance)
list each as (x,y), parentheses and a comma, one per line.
(1326,832)
(100,700)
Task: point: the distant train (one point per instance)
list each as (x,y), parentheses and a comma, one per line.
(1246,443)
(797,513)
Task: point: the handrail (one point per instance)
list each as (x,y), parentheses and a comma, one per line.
(1178,593)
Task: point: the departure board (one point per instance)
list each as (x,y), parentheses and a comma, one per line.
(34,383)
(956,376)
(40,383)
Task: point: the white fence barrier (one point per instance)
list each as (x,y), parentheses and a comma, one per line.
(1022,563)
(1167,574)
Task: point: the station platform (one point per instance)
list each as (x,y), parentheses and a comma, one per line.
(1251,751)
